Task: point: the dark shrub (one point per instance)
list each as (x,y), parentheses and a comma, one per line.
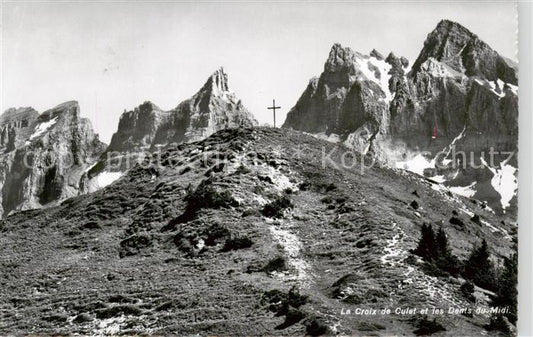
(432,270)
(133,244)
(467,289)
(92,225)
(414,204)
(281,303)
(165,306)
(476,219)
(295,299)
(346,208)
(242,170)
(55,318)
(275,208)
(276,264)
(250,212)
(117,311)
(215,233)
(292,317)
(266,179)
(288,190)
(273,298)
(237,243)
(363,243)
(204,196)
(499,323)
(369,326)
(457,222)
(305,186)
(316,326)
(82,318)
(352,299)
(428,327)
(119,299)
(331,187)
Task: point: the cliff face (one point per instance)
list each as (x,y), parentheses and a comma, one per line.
(460,96)
(141,131)
(351,93)
(137,129)
(457,81)
(44,156)
(15,126)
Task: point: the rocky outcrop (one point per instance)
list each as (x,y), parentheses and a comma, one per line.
(459,94)
(44,156)
(146,128)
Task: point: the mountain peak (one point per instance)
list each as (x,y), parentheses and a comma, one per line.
(340,55)
(457,47)
(69,107)
(148,106)
(448,25)
(376,54)
(217,82)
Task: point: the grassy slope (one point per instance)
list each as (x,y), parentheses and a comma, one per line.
(62,269)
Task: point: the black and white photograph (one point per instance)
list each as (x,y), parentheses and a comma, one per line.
(244,168)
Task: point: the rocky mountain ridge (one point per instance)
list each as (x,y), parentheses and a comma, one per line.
(48,157)
(148,128)
(459,94)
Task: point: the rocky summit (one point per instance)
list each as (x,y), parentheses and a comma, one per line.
(250,232)
(441,118)
(145,129)
(43,156)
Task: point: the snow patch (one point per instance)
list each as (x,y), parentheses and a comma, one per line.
(438,69)
(102,180)
(367,67)
(504,181)
(497,87)
(43,127)
(106,178)
(465,191)
(439,179)
(333,137)
(417,164)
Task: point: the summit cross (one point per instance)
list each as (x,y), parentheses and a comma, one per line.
(274,107)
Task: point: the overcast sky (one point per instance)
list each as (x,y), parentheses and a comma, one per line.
(114,56)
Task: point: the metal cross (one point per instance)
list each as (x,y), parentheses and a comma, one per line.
(274,107)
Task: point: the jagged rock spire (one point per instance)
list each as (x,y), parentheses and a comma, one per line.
(217,82)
